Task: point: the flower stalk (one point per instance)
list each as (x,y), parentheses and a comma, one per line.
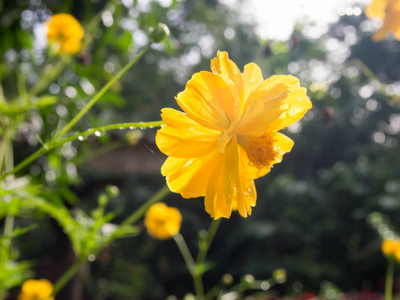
(389,280)
(191,265)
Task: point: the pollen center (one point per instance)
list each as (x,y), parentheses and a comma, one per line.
(262,151)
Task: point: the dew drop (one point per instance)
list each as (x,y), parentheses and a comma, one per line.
(131,127)
(98,133)
(81,138)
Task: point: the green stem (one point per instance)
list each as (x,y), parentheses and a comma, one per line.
(102,129)
(201,257)
(8,157)
(4,148)
(68,275)
(56,143)
(135,216)
(99,152)
(8,228)
(191,265)
(48,77)
(97,18)
(371,76)
(2,98)
(389,280)
(102,92)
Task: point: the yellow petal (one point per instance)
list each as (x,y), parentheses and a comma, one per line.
(376,9)
(246,195)
(268,84)
(298,103)
(215,200)
(252,78)
(231,166)
(66,32)
(268,105)
(282,145)
(182,137)
(210,99)
(223,65)
(189,176)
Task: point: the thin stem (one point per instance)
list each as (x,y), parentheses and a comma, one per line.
(136,215)
(4,148)
(102,92)
(8,228)
(2,98)
(389,280)
(201,257)
(48,77)
(68,275)
(25,162)
(57,143)
(102,129)
(97,18)
(191,265)
(99,152)
(371,76)
(8,158)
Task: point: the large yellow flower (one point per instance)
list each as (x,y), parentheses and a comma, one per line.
(36,290)
(228,135)
(389,12)
(162,222)
(65,33)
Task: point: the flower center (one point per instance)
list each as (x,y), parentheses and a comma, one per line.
(262,151)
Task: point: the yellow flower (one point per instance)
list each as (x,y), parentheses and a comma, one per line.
(391,248)
(228,135)
(389,12)
(36,290)
(162,222)
(65,32)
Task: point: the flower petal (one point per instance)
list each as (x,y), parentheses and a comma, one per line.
(268,105)
(215,200)
(376,9)
(282,143)
(252,78)
(298,103)
(189,176)
(246,195)
(210,100)
(182,137)
(219,189)
(224,66)
(268,84)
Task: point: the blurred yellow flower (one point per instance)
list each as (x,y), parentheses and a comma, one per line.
(36,290)
(391,248)
(228,134)
(65,33)
(389,12)
(162,222)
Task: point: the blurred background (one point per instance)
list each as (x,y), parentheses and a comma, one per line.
(311,217)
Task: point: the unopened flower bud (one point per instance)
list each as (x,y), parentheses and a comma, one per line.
(159,33)
(279,275)
(227,279)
